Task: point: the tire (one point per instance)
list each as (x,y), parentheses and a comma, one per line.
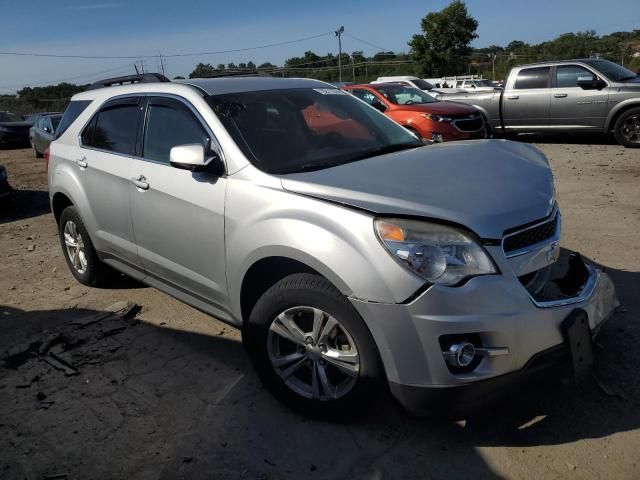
(37,154)
(627,128)
(301,293)
(87,269)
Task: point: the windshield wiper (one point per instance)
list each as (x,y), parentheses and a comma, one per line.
(305,167)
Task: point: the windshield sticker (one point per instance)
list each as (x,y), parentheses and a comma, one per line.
(329,91)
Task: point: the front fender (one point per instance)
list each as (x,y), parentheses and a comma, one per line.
(336,241)
(630,102)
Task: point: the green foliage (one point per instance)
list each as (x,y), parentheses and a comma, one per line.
(202,70)
(445,42)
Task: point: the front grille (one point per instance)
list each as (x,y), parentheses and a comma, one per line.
(469,125)
(531,236)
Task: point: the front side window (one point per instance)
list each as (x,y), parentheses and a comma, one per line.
(276,131)
(530,78)
(401,95)
(365,95)
(170,123)
(115,127)
(567,75)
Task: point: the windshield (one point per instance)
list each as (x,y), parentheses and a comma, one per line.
(301,129)
(484,83)
(401,95)
(611,70)
(422,84)
(10,117)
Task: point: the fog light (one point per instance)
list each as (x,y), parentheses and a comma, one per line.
(460,354)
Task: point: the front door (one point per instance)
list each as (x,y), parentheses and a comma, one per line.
(526,102)
(575,108)
(178,215)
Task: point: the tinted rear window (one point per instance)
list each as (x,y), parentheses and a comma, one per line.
(115,127)
(538,77)
(73,111)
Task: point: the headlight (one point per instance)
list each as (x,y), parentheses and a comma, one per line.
(436,118)
(437,253)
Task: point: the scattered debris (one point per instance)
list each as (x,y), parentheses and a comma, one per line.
(571,466)
(57,476)
(60,364)
(271,464)
(27,383)
(607,389)
(31,248)
(187,459)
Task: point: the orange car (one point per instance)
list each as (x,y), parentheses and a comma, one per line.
(415,110)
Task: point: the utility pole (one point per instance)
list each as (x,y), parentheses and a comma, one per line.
(136,67)
(161,63)
(339,33)
(353,68)
(493,64)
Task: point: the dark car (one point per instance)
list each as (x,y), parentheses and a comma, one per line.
(14,130)
(41,134)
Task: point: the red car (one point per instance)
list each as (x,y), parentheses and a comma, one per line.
(415,110)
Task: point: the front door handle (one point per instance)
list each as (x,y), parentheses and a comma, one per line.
(82,162)
(140,182)
(559,95)
(513,97)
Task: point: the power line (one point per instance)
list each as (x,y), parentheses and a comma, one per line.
(47,82)
(367,43)
(137,57)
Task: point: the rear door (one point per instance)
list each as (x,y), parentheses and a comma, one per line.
(527,99)
(107,147)
(575,108)
(45,136)
(178,215)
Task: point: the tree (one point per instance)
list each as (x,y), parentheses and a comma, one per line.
(242,66)
(220,66)
(251,65)
(443,47)
(266,66)
(232,66)
(202,70)
(178,77)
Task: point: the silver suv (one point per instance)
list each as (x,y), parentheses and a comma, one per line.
(350,255)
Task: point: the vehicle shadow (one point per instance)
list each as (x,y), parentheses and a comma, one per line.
(174,402)
(25,204)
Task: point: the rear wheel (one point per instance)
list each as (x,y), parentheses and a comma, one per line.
(311,349)
(627,128)
(36,153)
(78,250)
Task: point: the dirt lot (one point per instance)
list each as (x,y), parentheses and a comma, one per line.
(169,393)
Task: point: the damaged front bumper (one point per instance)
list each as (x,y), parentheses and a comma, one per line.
(521,318)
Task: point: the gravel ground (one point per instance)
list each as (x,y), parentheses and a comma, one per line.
(167,392)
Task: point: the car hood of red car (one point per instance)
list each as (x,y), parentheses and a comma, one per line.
(441,108)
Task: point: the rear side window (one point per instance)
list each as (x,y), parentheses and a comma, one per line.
(170,123)
(115,127)
(73,111)
(529,78)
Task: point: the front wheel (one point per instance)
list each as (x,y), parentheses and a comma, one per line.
(311,349)
(627,128)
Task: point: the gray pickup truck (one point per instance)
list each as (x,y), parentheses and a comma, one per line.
(591,95)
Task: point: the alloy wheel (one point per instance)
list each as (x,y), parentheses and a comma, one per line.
(313,353)
(75,247)
(631,128)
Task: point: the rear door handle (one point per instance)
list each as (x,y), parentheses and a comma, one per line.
(140,182)
(82,162)
(513,97)
(559,95)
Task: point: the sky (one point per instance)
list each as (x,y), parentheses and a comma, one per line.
(152,27)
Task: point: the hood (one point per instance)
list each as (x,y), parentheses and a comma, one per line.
(488,186)
(440,108)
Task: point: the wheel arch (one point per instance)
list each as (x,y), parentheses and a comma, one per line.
(59,202)
(618,111)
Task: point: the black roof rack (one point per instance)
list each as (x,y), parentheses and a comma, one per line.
(234,73)
(129,79)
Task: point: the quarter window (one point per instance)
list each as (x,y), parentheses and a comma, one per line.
(530,78)
(567,75)
(170,123)
(115,127)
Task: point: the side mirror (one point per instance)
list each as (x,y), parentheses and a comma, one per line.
(378,105)
(192,157)
(590,82)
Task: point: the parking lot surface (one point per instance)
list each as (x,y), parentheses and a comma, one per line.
(92,387)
